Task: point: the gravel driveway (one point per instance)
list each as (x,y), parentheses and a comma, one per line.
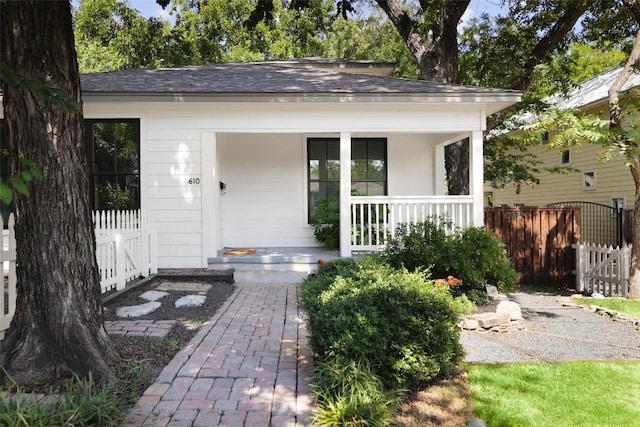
(554,333)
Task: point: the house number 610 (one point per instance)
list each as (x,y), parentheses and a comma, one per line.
(194,181)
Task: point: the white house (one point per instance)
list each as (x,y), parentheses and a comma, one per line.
(237,154)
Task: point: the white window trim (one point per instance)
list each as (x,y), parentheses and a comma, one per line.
(589,187)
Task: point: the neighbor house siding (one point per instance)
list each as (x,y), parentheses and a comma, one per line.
(613,179)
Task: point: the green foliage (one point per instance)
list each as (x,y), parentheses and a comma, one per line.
(349,393)
(82,404)
(403,325)
(326,223)
(475,256)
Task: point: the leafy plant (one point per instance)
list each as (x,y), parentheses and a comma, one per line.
(326,223)
(82,404)
(401,323)
(349,393)
(473,255)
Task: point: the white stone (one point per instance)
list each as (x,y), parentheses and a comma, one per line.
(493,293)
(489,320)
(153,295)
(597,295)
(190,301)
(511,308)
(138,310)
(469,324)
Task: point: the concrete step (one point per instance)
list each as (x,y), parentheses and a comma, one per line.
(272,265)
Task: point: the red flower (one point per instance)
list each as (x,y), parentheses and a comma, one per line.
(321,261)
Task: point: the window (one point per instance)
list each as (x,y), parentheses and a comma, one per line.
(368,169)
(617,203)
(588,180)
(113,150)
(565,157)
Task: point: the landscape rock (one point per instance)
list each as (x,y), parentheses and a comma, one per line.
(511,308)
(469,324)
(476,422)
(138,310)
(597,295)
(190,301)
(493,293)
(489,320)
(153,295)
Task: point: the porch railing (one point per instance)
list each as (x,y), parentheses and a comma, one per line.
(125,250)
(374,219)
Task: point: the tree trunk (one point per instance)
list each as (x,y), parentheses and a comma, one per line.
(615,121)
(634,268)
(58,325)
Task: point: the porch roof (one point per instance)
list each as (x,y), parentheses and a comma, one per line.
(281,79)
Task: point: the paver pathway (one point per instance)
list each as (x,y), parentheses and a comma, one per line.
(249,365)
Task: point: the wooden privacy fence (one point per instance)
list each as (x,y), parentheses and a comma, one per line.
(125,250)
(602,269)
(538,241)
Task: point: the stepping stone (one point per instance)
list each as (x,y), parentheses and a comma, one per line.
(190,301)
(153,295)
(138,310)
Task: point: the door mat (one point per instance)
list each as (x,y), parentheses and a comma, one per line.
(240,251)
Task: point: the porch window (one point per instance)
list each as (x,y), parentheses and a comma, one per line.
(368,169)
(113,150)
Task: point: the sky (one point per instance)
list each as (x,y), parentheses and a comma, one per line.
(149,8)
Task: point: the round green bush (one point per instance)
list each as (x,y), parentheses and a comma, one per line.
(403,325)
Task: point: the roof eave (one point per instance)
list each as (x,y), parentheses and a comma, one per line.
(340,97)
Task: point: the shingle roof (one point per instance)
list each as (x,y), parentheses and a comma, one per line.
(593,90)
(267,78)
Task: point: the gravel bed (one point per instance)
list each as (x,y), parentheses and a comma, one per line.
(554,333)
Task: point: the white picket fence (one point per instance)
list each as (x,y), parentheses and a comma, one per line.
(126,249)
(602,269)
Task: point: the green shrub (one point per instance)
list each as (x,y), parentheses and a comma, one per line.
(83,404)
(349,393)
(326,223)
(475,256)
(402,324)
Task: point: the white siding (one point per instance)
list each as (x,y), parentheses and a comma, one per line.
(171,158)
(410,165)
(264,204)
(261,158)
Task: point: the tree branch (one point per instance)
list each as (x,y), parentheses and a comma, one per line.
(615,110)
(550,41)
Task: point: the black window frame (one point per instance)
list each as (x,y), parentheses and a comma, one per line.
(116,173)
(324,172)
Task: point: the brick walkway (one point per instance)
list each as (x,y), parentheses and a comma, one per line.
(249,365)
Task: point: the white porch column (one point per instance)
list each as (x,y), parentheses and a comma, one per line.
(476,177)
(439,171)
(210,196)
(345,194)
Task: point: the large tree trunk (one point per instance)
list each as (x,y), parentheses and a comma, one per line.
(615,122)
(58,325)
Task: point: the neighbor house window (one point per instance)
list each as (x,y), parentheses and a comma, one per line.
(588,180)
(565,157)
(368,169)
(113,150)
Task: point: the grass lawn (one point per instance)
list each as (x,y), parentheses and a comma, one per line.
(621,305)
(572,394)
